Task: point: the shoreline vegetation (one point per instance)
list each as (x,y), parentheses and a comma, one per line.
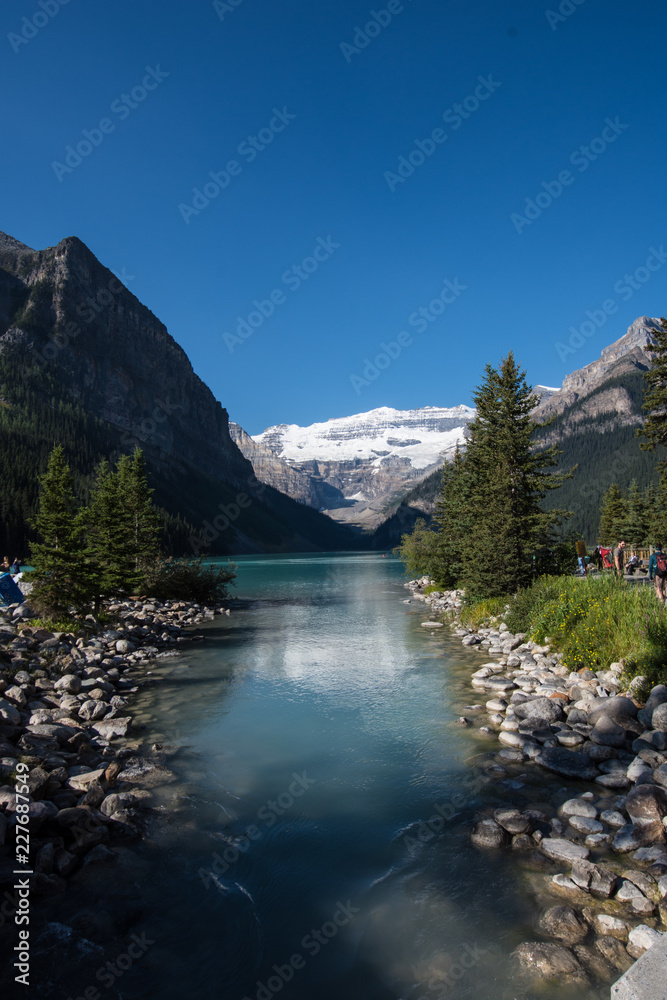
(595,859)
(576,682)
(76,778)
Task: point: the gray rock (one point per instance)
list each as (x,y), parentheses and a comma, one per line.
(641,938)
(614,779)
(540,708)
(125,646)
(110,728)
(605,923)
(608,733)
(16,695)
(660,775)
(69,683)
(582,824)
(578,807)
(511,820)
(646,804)
(559,849)
(596,879)
(569,763)
(630,837)
(549,961)
(658,696)
(617,709)
(614,952)
(9,713)
(612,817)
(486,833)
(563,923)
(659,718)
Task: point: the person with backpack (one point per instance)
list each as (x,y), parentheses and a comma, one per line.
(657,571)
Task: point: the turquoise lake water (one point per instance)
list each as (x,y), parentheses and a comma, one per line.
(315,841)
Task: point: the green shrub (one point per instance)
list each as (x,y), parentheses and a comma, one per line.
(478,613)
(594,622)
(190,580)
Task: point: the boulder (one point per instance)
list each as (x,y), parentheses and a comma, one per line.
(660,775)
(486,833)
(606,924)
(563,923)
(68,683)
(617,709)
(9,713)
(569,763)
(109,728)
(582,824)
(630,837)
(578,807)
(646,804)
(608,733)
(511,820)
(641,938)
(559,849)
(614,952)
(658,696)
(540,708)
(659,718)
(550,961)
(596,879)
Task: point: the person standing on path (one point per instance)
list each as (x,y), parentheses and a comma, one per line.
(657,571)
(619,553)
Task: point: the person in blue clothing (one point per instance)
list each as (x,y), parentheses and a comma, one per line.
(657,571)
(16,566)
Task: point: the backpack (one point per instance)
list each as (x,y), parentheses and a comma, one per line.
(660,564)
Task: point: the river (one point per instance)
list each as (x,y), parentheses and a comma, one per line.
(314,843)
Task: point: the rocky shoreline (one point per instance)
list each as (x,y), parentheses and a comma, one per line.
(600,855)
(65,716)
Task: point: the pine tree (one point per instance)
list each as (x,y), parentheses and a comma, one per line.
(57,560)
(613,516)
(636,520)
(122,528)
(654,428)
(655,516)
(106,537)
(452,518)
(139,513)
(508,479)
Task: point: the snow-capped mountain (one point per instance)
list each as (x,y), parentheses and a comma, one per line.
(418,438)
(365,460)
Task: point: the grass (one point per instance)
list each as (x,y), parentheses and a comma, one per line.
(479,613)
(595,622)
(56,624)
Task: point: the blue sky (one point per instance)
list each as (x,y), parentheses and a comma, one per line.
(332,112)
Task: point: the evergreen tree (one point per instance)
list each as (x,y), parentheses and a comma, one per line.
(57,559)
(107,535)
(636,519)
(140,516)
(654,428)
(122,527)
(654,514)
(508,479)
(453,519)
(613,516)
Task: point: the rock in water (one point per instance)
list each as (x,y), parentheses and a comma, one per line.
(559,849)
(569,763)
(646,804)
(563,923)
(550,961)
(487,833)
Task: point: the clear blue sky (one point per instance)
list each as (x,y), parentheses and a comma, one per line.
(323,175)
